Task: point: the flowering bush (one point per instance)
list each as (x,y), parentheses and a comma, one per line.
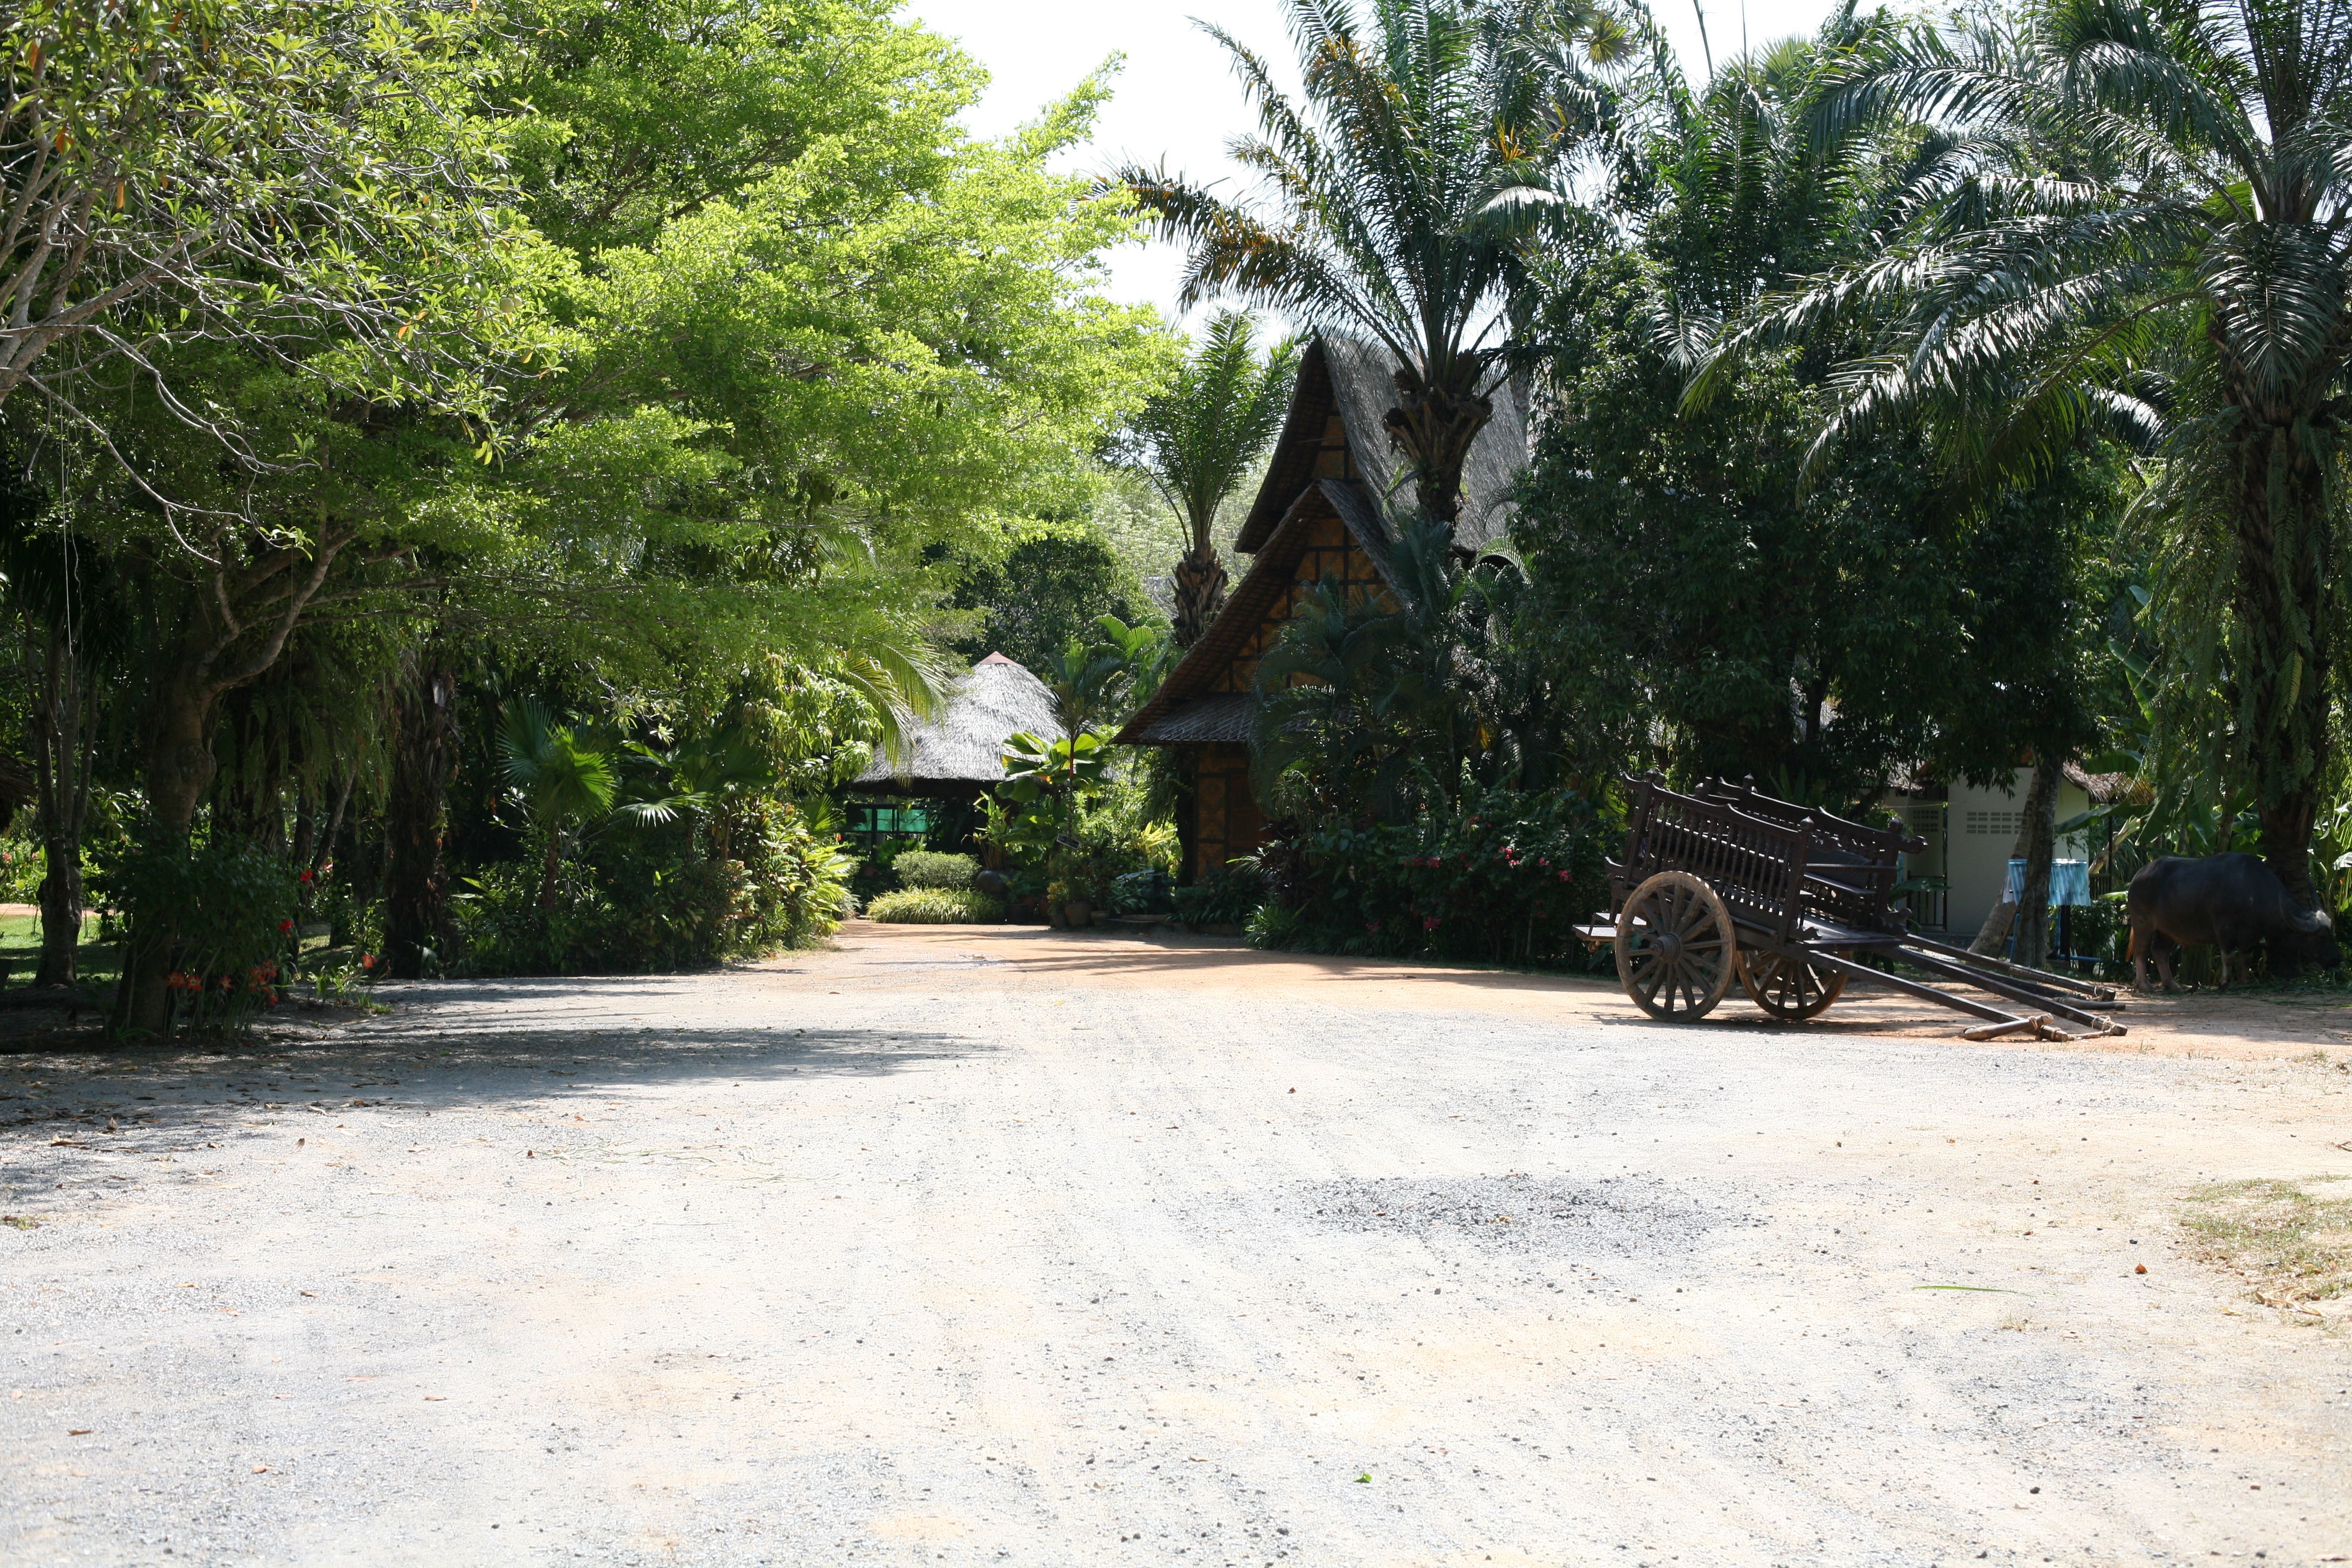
(224,908)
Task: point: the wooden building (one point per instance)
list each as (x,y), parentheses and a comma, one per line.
(1319,514)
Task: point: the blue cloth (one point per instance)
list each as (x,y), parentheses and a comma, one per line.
(2070,883)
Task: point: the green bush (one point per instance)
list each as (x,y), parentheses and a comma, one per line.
(1504,877)
(935,906)
(224,911)
(1226,896)
(1151,891)
(1273,928)
(643,899)
(925,869)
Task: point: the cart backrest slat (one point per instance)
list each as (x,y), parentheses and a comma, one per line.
(1773,868)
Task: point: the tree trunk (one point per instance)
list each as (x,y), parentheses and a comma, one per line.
(1199,590)
(548,871)
(416,815)
(2281,599)
(179,771)
(64,740)
(2036,845)
(1434,423)
(234,626)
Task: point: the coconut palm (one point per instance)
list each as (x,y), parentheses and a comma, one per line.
(2139,212)
(1197,440)
(1429,135)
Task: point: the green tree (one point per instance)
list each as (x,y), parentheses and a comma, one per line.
(244,172)
(1199,440)
(2132,212)
(1054,581)
(562,777)
(1404,183)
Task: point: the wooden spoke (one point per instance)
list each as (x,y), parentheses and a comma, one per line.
(1788,988)
(1677,951)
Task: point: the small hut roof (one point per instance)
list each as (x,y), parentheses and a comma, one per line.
(1358,382)
(963,748)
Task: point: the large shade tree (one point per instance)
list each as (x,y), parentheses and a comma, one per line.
(1197,441)
(255,173)
(1429,135)
(2139,211)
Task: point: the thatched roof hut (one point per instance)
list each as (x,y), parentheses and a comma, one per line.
(961,750)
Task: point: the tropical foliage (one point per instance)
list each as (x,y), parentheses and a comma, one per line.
(1198,440)
(508,466)
(1430,137)
(2129,216)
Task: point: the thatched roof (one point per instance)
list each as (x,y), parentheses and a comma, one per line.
(962,749)
(1357,381)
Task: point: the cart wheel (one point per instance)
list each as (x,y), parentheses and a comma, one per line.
(1675,948)
(1788,988)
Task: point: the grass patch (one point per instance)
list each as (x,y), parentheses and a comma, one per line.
(935,906)
(20,944)
(2290,1244)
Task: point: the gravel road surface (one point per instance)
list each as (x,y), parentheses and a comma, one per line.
(1001,1247)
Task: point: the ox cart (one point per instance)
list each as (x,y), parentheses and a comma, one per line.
(1731,884)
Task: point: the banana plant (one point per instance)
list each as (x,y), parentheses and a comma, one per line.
(1044,781)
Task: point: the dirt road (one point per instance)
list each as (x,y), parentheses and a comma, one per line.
(1004,1247)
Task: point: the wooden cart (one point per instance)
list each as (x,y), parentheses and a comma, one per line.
(1731,884)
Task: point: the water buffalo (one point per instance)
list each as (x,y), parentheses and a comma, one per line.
(2232,901)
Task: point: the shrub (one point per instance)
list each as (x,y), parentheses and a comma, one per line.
(935,906)
(925,869)
(1226,896)
(224,910)
(644,901)
(1503,877)
(1270,926)
(1149,891)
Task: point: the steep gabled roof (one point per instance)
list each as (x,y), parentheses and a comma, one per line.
(963,745)
(1256,597)
(1357,381)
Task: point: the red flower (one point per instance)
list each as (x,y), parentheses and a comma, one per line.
(284,926)
(367,961)
(1563,876)
(1429,922)
(306,876)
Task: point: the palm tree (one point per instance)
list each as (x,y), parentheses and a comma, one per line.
(1195,441)
(1431,135)
(2139,212)
(561,778)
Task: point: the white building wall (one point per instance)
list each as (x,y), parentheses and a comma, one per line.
(1981,830)
(1970,833)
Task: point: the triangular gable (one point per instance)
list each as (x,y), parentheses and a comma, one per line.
(1324,490)
(1337,429)
(1333,528)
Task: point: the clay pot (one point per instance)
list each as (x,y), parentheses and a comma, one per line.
(1079,913)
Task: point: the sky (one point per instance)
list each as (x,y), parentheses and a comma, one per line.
(1175,98)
